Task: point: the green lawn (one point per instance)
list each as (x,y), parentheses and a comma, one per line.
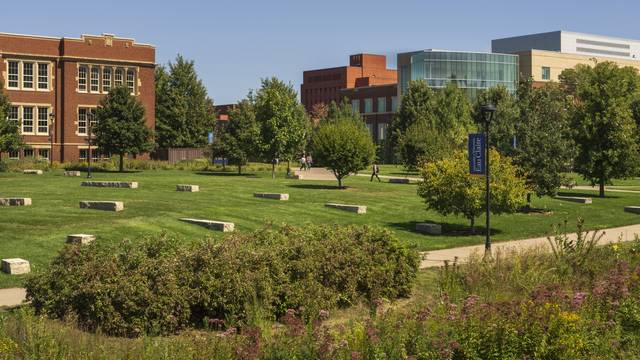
(38,231)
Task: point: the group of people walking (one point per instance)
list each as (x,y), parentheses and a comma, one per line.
(306,161)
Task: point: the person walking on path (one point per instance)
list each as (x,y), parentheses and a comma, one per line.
(309,162)
(303,162)
(375,172)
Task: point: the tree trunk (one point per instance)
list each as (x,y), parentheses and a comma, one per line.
(473,225)
(121,162)
(528,206)
(273,170)
(288,167)
(601,187)
(239,169)
(340,182)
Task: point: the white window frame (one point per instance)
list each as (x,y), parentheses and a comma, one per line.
(38,120)
(46,77)
(118,73)
(83,130)
(106,79)
(94,79)
(14,155)
(40,150)
(17,114)
(22,112)
(24,76)
(32,153)
(131,82)
(382,131)
(83,88)
(10,76)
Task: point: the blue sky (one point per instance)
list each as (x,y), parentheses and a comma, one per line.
(236,43)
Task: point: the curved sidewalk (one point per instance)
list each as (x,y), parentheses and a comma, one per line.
(437,258)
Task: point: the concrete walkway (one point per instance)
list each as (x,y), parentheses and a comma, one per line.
(606,189)
(438,257)
(12,297)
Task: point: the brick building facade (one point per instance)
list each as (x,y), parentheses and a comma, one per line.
(54,84)
(366,83)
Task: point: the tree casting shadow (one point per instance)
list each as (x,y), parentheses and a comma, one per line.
(448,230)
(317,187)
(223,173)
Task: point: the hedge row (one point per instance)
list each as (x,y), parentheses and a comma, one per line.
(160,286)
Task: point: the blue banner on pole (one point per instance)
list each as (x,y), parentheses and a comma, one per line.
(211,137)
(477,151)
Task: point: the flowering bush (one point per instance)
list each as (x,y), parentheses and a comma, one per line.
(157,286)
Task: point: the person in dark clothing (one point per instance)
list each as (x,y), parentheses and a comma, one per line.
(375,172)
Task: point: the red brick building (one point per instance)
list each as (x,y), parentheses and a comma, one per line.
(366,83)
(55,83)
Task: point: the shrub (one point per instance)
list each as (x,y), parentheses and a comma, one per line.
(155,286)
(19,165)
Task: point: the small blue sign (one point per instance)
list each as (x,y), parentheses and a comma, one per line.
(210,137)
(477,151)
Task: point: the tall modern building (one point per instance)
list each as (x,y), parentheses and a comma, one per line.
(55,84)
(544,56)
(471,71)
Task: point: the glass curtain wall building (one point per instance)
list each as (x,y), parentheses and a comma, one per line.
(473,72)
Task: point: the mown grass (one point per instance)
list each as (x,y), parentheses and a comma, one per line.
(37,232)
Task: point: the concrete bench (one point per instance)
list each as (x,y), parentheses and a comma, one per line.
(15,202)
(632,209)
(211,224)
(399,181)
(274,196)
(112,184)
(429,228)
(187,188)
(72,173)
(15,266)
(32,172)
(358,209)
(576,199)
(82,239)
(102,205)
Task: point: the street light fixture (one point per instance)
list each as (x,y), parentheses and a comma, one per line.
(89,155)
(487,111)
(52,120)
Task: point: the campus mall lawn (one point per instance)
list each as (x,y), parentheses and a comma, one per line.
(37,232)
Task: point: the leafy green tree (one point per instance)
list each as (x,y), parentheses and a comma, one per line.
(417,106)
(604,128)
(284,127)
(184,112)
(237,140)
(120,125)
(10,139)
(343,144)
(430,124)
(544,147)
(448,188)
(503,125)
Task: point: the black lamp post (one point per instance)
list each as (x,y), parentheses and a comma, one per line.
(52,118)
(89,155)
(487,112)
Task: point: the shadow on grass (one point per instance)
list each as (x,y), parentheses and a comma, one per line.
(448,230)
(225,173)
(592,195)
(103,171)
(317,187)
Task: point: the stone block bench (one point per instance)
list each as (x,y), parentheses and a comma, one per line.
(112,184)
(358,209)
(211,224)
(632,209)
(82,239)
(429,228)
(15,201)
(187,188)
(15,266)
(576,199)
(274,196)
(102,205)
(72,173)
(399,181)
(32,172)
